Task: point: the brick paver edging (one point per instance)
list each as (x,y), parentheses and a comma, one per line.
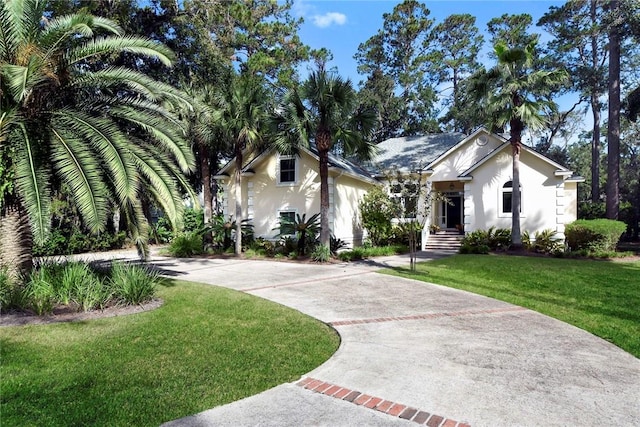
(376,403)
(426,316)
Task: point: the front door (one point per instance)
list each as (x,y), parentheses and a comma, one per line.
(454,211)
(451,211)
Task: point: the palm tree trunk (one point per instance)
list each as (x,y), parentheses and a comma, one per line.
(238,197)
(16,243)
(325,233)
(613,132)
(205,173)
(516,128)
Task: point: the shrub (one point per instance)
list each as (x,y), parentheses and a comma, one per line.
(475,238)
(474,249)
(545,242)
(362,252)
(337,244)
(321,253)
(133,284)
(377,210)
(186,245)
(6,290)
(499,238)
(39,292)
(74,277)
(91,293)
(597,235)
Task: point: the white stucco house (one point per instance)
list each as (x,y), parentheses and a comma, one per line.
(274,185)
(473,171)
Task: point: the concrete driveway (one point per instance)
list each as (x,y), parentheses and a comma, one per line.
(417,353)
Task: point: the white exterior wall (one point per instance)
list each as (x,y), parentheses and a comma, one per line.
(347,224)
(263,198)
(571,201)
(465,156)
(543,195)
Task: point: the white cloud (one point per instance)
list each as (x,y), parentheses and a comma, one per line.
(328,19)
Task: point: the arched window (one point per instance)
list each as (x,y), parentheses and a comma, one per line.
(507,197)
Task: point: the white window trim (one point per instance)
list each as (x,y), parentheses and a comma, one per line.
(286,210)
(296,173)
(501,191)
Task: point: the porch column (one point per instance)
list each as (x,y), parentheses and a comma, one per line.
(250,197)
(332,216)
(560,210)
(467,203)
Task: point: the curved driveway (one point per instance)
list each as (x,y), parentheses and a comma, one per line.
(414,352)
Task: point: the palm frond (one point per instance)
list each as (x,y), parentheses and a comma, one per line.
(162,184)
(20,79)
(32,183)
(80,169)
(138,227)
(108,142)
(8,32)
(117,77)
(170,140)
(110,45)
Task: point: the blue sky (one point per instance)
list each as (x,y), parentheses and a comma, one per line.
(341,26)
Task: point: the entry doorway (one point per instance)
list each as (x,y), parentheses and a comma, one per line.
(451,211)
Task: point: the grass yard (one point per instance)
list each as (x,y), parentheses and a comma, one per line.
(601,297)
(204,347)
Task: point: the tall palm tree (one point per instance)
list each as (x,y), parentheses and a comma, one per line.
(68,116)
(244,119)
(324,111)
(515,95)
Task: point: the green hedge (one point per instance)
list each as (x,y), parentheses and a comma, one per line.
(594,235)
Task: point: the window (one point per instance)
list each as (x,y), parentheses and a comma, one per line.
(287,170)
(289,216)
(507,197)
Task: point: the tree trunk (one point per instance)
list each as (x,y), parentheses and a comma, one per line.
(595,150)
(205,173)
(517,127)
(613,132)
(238,196)
(325,233)
(16,242)
(595,108)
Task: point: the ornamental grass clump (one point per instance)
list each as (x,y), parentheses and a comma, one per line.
(132,284)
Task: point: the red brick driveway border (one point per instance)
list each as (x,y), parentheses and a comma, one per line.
(388,407)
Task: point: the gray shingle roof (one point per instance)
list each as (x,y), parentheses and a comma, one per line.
(411,152)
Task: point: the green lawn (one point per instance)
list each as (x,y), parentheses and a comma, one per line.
(601,297)
(204,347)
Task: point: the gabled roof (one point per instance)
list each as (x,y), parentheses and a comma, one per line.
(337,162)
(560,170)
(410,153)
(462,141)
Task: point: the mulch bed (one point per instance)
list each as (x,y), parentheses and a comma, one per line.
(70,314)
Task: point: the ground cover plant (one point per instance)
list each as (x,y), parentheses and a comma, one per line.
(204,347)
(601,297)
(74,286)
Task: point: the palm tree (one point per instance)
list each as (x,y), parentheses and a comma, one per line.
(514,94)
(69,117)
(244,119)
(324,110)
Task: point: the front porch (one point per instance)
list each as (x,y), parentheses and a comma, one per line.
(448,215)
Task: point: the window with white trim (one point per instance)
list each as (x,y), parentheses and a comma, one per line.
(287,170)
(507,198)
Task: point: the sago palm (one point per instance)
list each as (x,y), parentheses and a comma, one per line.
(514,95)
(69,117)
(324,111)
